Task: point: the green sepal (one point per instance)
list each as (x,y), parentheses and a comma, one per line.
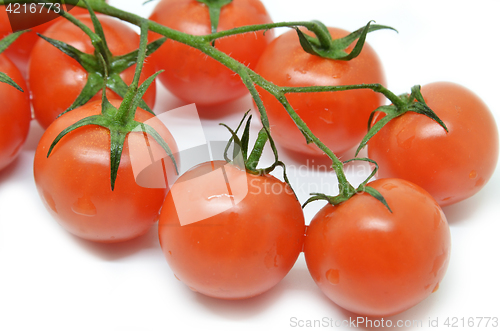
(421,107)
(245,138)
(214,8)
(4,44)
(237,144)
(87,61)
(359,34)
(335,50)
(115,153)
(92,87)
(116,84)
(9,39)
(91,120)
(102,63)
(365,159)
(138,101)
(413,102)
(251,161)
(156,136)
(368,189)
(333,200)
(4,78)
(376,194)
(390,112)
(122,62)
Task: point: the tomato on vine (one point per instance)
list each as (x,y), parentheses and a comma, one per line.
(451,166)
(229,231)
(379,262)
(336,118)
(84,169)
(191,75)
(74,181)
(15,113)
(75,61)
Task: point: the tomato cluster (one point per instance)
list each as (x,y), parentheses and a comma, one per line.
(230,231)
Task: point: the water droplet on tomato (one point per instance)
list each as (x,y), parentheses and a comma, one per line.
(50,201)
(177,277)
(473,174)
(439,263)
(405,139)
(333,276)
(288,77)
(84,206)
(271,258)
(389,186)
(435,288)
(192,289)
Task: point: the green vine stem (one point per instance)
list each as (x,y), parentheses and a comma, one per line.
(250,78)
(4,44)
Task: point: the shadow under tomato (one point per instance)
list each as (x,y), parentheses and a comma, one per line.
(8,172)
(116,251)
(465,209)
(34,135)
(416,317)
(238,106)
(298,279)
(239,309)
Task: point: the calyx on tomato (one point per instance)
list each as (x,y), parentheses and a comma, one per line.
(404,103)
(250,161)
(214,8)
(121,121)
(110,66)
(4,43)
(323,45)
(335,200)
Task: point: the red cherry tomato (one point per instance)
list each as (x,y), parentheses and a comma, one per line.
(376,263)
(228,234)
(19,52)
(74,181)
(337,118)
(450,166)
(15,114)
(191,75)
(51,96)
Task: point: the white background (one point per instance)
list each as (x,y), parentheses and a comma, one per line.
(50,279)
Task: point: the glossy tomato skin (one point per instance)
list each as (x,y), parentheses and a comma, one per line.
(74,181)
(19,52)
(450,166)
(15,114)
(337,118)
(240,252)
(191,75)
(376,263)
(52,96)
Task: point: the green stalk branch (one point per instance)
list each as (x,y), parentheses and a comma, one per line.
(250,78)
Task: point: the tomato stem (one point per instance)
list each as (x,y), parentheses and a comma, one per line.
(323,45)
